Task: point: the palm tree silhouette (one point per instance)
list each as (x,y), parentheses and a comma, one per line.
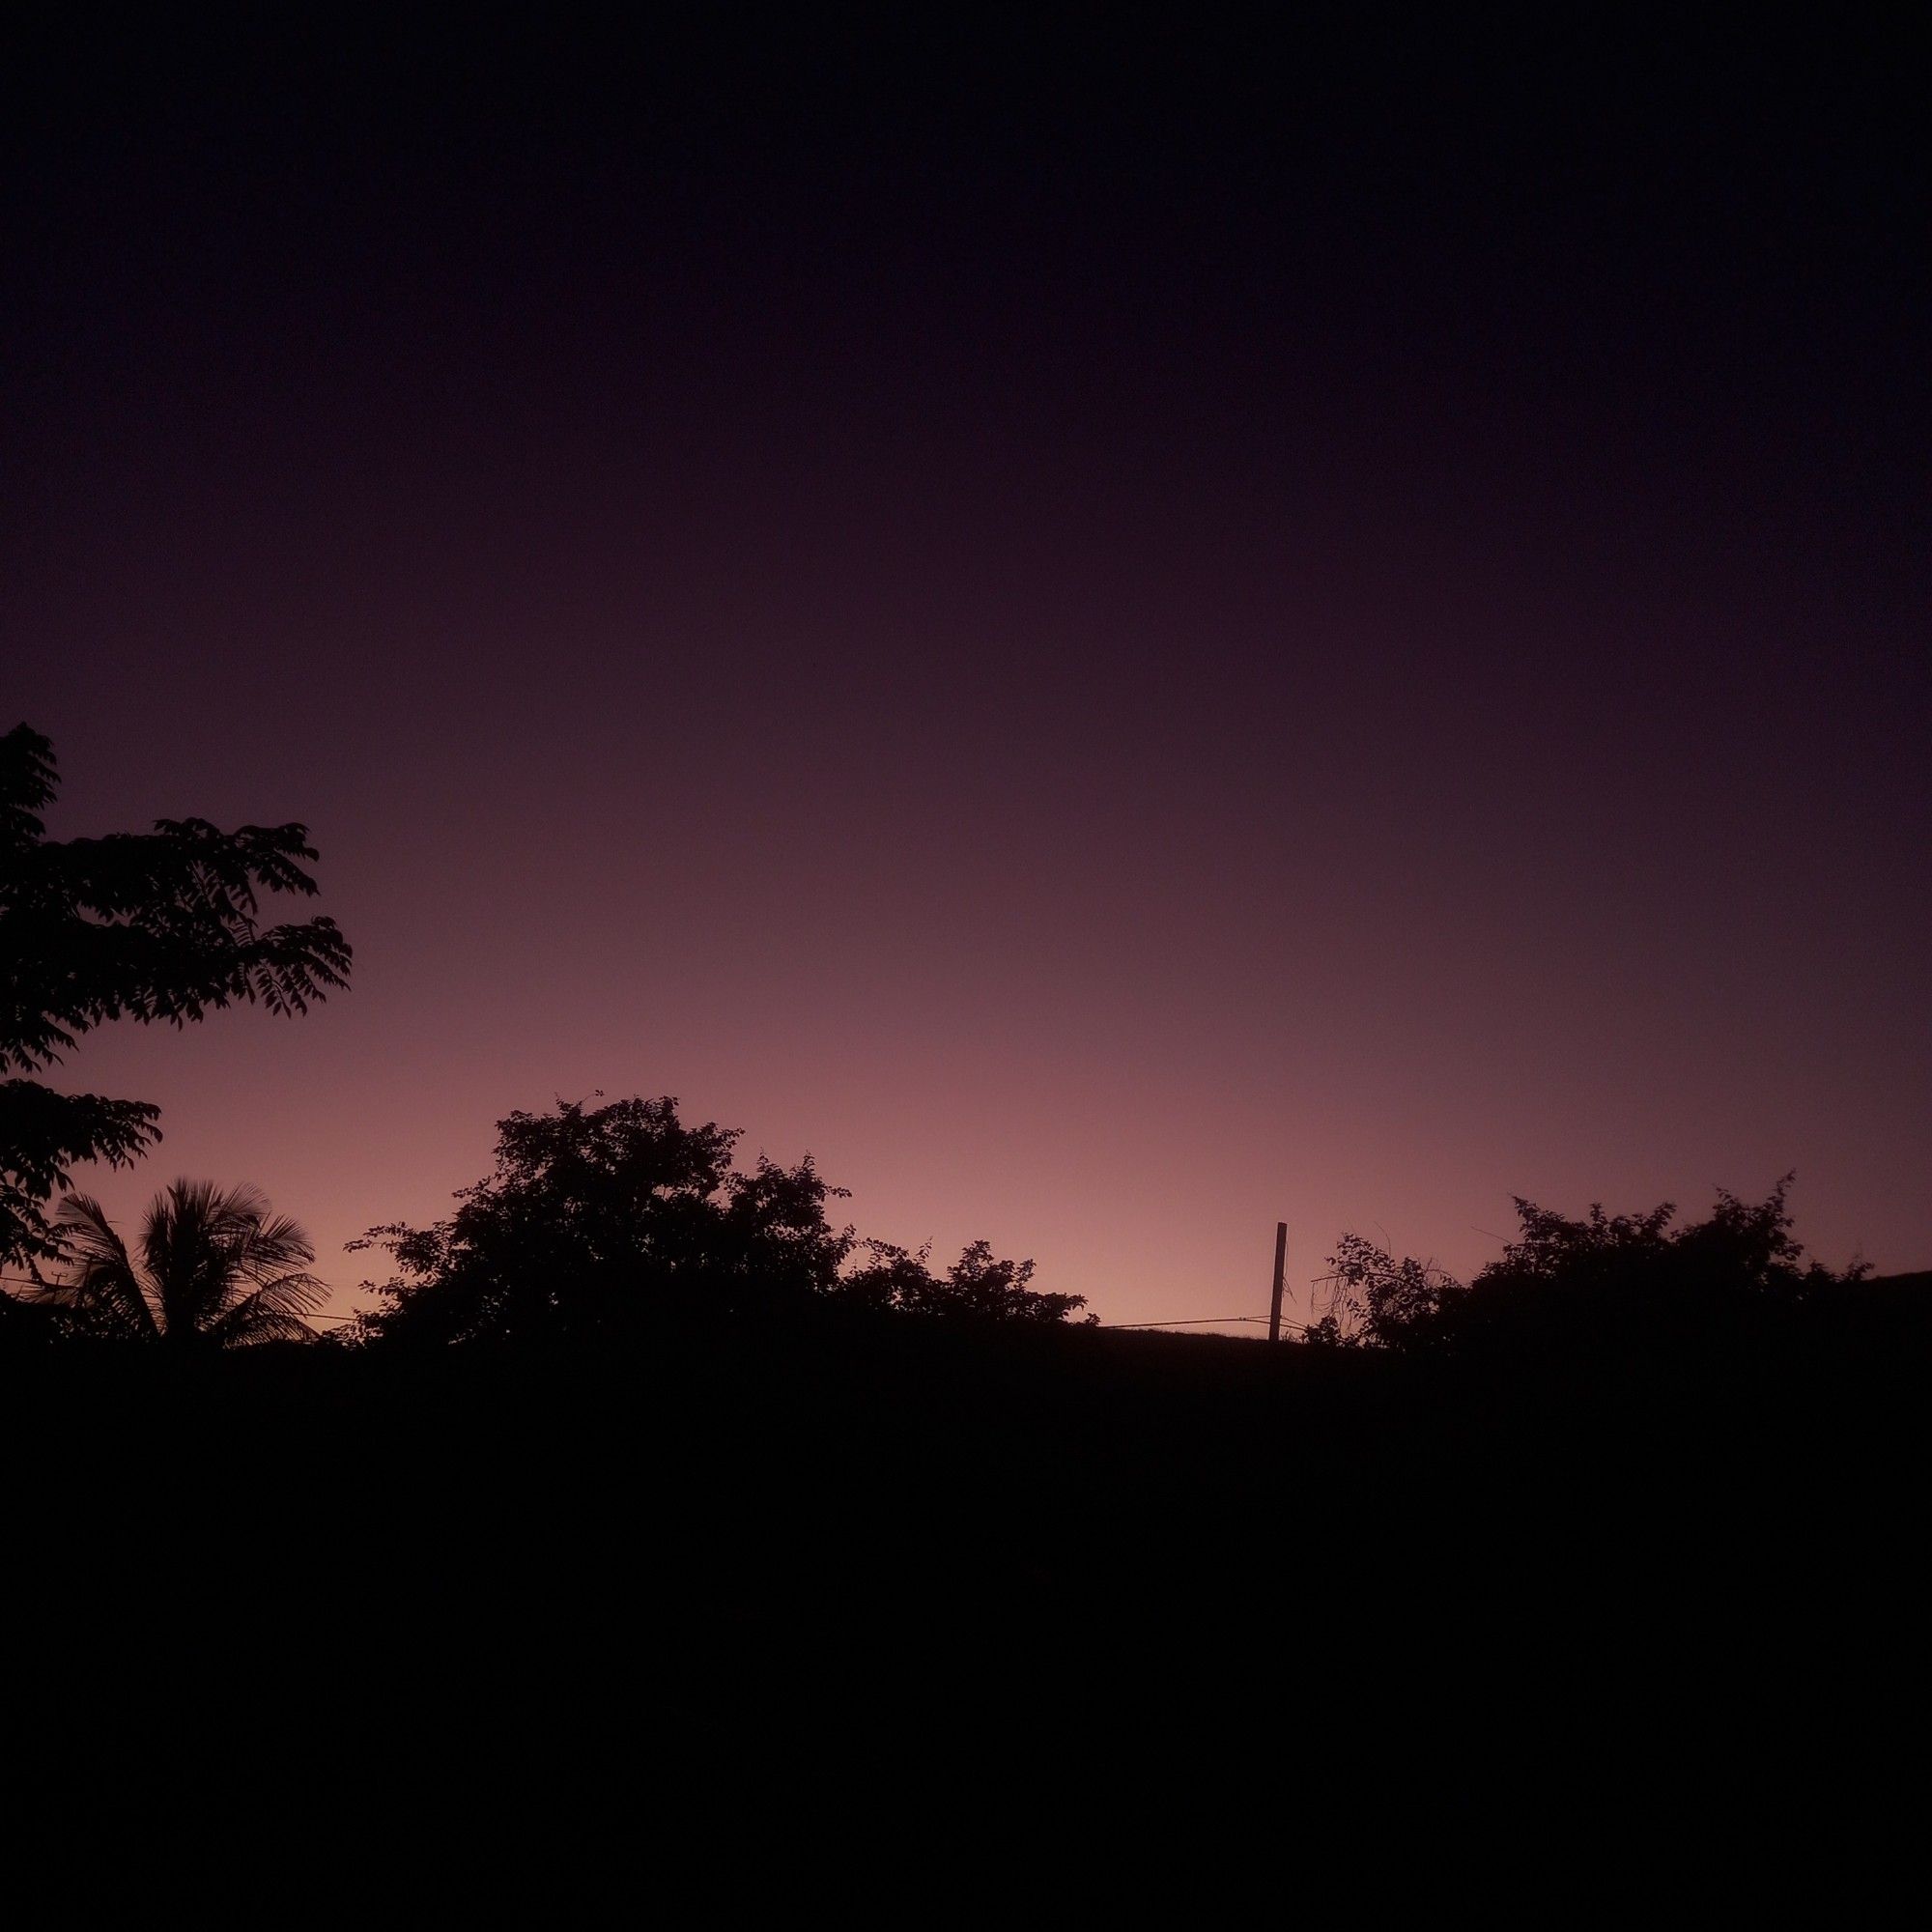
(217,1270)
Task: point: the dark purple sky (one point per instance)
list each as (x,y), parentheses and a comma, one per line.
(1123,635)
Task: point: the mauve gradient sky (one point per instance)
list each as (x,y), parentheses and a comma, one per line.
(1121,640)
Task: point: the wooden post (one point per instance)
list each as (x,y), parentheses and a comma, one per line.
(1280,1259)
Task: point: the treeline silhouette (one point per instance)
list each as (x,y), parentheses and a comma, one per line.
(600,1221)
(606,1223)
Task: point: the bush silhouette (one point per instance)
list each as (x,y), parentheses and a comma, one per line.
(1623,1281)
(978,1288)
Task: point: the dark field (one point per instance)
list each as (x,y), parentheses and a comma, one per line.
(908,1585)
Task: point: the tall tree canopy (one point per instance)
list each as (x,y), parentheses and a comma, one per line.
(598,1218)
(154,925)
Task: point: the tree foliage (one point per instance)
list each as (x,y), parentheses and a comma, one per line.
(600,1218)
(1375,1302)
(156,925)
(1600,1281)
(978,1287)
(215,1269)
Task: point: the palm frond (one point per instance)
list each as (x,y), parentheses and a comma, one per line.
(216,1265)
(271,1246)
(193,1231)
(273,1312)
(101,1292)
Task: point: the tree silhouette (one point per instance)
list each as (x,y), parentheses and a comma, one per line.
(1375,1302)
(156,925)
(599,1218)
(217,1270)
(978,1288)
(1563,1285)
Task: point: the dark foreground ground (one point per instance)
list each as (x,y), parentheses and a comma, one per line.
(767,1571)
